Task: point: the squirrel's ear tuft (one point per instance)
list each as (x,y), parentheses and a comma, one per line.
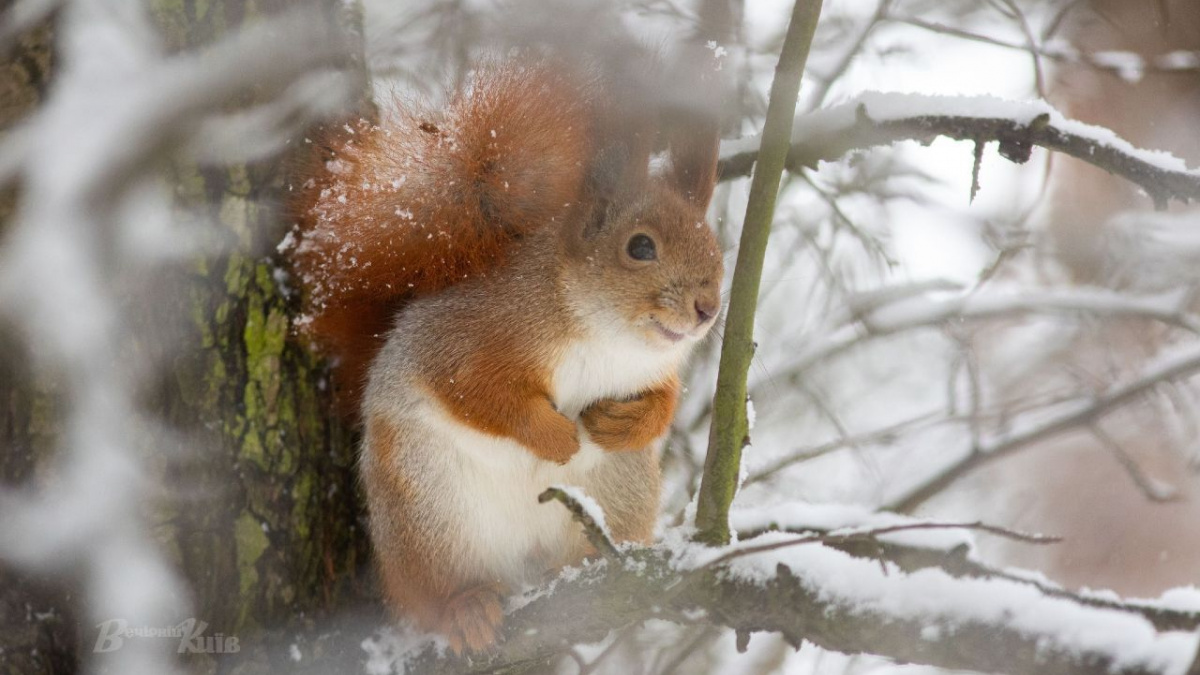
(691,124)
(618,173)
(693,143)
(695,93)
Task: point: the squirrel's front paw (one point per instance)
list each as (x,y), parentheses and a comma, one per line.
(625,425)
(556,440)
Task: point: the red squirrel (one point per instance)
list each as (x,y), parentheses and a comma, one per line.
(517,290)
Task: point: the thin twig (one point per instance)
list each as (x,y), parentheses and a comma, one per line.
(855,48)
(842,538)
(1167,369)
(959,564)
(702,636)
(897,318)
(1035,51)
(859,440)
(1151,489)
(594,531)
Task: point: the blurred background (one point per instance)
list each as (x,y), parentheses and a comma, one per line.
(167,451)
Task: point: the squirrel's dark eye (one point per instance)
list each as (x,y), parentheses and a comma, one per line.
(641,247)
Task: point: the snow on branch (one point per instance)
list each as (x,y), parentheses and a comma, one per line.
(878,119)
(913,544)
(811,592)
(587,513)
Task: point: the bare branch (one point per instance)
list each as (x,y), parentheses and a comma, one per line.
(1150,488)
(730,430)
(876,436)
(909,313)
(1172,367)
(874,533)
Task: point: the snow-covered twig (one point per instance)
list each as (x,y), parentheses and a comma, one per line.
(879,119)
(873,534)
(914,544)
(958,563)
(587,513)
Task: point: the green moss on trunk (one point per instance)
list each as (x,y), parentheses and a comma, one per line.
(262,512)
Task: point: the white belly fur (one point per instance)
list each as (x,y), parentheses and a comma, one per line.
(612,364)
(492,483)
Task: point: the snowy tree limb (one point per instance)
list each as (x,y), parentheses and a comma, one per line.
(874,120)
(802,599)
(958,562)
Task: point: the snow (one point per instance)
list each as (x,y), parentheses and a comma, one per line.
(387,650)
(895,106)
(589,506)
(94,201)
(288,242)
(1183,599)
(1179,60)
(934,598)
(1129,66)
(844,519)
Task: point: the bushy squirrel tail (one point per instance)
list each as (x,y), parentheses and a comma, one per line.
(407,206)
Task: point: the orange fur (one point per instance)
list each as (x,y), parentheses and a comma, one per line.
(634,424)
(412,589)
(502,393)
(475,220)
(424,199)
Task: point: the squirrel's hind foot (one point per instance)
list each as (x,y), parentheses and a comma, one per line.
(471,619)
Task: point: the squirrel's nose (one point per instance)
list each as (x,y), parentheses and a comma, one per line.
(705,310)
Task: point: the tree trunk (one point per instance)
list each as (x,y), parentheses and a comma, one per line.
(261,511)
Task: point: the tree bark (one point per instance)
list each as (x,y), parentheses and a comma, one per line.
(261,513)
(27,405)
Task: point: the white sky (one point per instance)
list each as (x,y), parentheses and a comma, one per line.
(937,240)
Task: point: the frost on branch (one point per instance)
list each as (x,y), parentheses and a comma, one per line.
(879,119)
(866,601)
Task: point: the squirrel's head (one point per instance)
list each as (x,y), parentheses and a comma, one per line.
(640,245)
(651,263)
